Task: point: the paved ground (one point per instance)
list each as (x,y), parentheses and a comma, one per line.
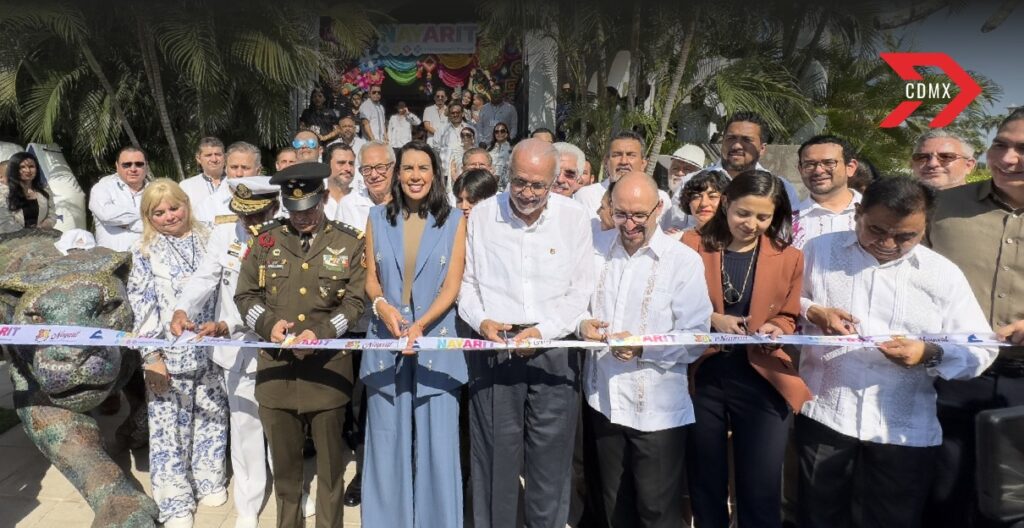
(35,495)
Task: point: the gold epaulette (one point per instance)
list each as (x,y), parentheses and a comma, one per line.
(265,226)
(350,229)
(225,219)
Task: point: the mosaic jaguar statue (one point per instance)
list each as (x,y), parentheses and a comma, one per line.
(55,386)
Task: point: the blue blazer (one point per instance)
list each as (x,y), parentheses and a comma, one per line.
(436,371)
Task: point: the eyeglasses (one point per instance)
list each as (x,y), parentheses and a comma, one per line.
(380,168)
(308,143)
(620,217)
(810,165)
(500,131)
(521,185)
(945,158)
(375,92)
(466,136)
(130,164)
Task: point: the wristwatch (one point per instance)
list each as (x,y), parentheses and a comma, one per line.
(936,355)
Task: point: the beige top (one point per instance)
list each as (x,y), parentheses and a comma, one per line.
(11,221)
(982,235)
(412,231)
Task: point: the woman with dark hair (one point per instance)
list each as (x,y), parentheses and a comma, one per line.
(467,105)
(25,201)
(701,194)
(319,117)
(501,152)
(415,256)
(754,278)
(472,187)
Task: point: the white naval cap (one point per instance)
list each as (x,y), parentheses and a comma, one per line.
(75,239)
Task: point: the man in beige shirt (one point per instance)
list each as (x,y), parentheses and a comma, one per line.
(980,227)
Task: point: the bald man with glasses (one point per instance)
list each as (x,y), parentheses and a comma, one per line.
(524,403)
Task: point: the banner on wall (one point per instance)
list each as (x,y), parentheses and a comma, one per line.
(422,39)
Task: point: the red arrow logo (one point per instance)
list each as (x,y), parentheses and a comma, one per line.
(904,63)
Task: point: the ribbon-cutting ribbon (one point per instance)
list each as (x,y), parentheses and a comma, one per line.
(55,335)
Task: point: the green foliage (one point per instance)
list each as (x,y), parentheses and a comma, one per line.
(979,174)
(794,63)
(229,69)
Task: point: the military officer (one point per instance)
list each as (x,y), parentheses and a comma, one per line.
(303,277)
(253,201)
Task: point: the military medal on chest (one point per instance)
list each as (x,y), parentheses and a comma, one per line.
(334,260)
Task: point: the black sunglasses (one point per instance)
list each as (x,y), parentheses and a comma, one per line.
(130,164)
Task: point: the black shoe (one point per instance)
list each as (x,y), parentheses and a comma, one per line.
(308,449)
(350,439)
(354,491)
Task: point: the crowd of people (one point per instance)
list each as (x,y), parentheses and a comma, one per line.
(387,236)
(450,128)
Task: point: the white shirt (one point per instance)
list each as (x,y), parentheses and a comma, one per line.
(400,129)
(218,275)
(214,205)
(500,157)
(660,289)
(374,113)
(857,391)
(353,209)
(448,144)
(437,119)
(812,220)
(115,207)
(521,274)
(200,187)
(590,197)
(679,220)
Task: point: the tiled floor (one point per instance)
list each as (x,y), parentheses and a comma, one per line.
(35,495)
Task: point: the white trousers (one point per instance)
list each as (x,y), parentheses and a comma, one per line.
(248,450)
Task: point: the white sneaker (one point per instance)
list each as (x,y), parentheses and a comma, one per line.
(214,500)
(308,505)
(185,521)
(247,522)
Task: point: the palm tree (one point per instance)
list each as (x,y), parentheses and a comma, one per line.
(673,90)
(68,24)
(70,74)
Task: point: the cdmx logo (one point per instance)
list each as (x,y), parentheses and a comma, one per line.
(904,65)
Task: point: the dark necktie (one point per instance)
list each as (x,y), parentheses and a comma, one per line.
(305,243)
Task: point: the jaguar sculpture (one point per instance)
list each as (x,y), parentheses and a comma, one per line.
(56,386)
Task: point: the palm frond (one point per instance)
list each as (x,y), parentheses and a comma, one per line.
(758,87)
(46,102)
(278,60)
(189,44)
(61,18)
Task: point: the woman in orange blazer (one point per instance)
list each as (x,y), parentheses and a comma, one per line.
(754,278)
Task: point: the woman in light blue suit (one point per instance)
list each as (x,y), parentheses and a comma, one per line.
(415,256)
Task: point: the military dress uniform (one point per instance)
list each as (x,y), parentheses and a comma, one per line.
(218,275)
(318,289)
